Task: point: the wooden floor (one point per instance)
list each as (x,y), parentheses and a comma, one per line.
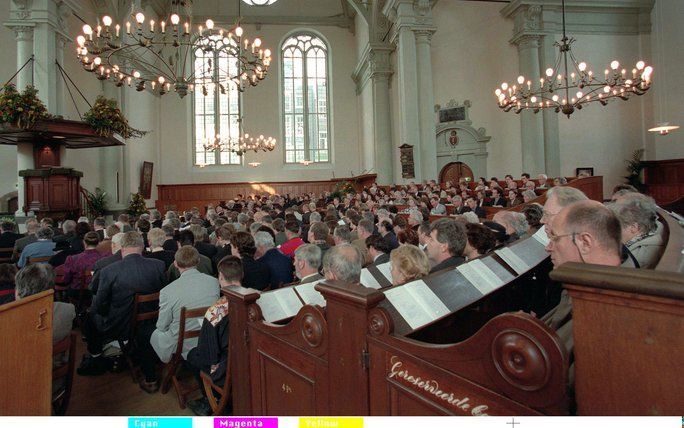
(115,394)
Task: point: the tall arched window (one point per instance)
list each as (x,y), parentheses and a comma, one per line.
(305,99)
(216,111)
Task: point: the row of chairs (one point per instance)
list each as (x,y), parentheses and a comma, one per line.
(218,395)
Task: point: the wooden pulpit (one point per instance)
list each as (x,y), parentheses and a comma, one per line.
(52,192)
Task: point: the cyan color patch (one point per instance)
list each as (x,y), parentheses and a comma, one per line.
(159,422)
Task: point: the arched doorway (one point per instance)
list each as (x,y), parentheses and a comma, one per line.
(455,170)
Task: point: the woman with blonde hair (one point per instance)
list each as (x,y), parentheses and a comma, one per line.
(408,263)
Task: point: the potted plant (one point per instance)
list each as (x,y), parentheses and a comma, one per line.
(97,202)
(635,167)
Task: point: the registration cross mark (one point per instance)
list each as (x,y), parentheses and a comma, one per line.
(512,423)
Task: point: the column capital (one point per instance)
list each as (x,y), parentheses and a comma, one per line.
(408,14)
(424,34)
(374,64)
(22,32)
(528,41)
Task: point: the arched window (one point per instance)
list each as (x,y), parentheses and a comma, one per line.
(216,110)
(305,99)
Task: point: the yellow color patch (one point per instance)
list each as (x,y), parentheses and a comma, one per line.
(330,422)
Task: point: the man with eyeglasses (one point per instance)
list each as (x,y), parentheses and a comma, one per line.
(558,198)
(583,232)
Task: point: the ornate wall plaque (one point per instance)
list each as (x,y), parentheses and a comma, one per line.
(406,158)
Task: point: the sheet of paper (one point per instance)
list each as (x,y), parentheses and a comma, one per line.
(386,270)
(341,222)
(404,303)
(416,303)
(309,294)
(518,265)
(427,299)
(368,280)
(480,276)
(541,236)
(279,304)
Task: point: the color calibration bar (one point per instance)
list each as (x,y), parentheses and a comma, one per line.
(343,422)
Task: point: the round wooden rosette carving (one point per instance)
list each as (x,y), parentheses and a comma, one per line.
(254,313)
(520,360)
(379,322)
(312,330)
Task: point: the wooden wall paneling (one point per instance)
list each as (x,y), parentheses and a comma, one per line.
(665,180)
(26,356)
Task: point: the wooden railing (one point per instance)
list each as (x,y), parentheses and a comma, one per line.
(179,197)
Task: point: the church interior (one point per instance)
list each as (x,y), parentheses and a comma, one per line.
(256,207)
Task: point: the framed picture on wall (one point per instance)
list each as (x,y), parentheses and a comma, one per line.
(585,172)
(146,180)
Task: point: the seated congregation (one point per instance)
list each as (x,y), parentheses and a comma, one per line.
(152,294)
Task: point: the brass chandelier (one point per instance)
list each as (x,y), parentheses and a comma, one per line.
(160,55)
(570,84)
(240,145)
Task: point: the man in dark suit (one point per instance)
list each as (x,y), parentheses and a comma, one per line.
(223,248)
(102,263)
(99,226)
(446,244)
(110,314)
(474,207)
(204,248)
(278,264)
(32,227)
(379,249)
(7,236)
(497,200)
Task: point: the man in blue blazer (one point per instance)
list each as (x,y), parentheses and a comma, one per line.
(278,264)
(110,314)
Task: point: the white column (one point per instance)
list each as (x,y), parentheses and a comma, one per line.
(45,42)
(408,94)
(24,37)
(382,132)
(426,106)
(111,163)
(532,126)
(548,54)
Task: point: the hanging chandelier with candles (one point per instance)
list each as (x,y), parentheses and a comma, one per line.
(240,145)
(144,53)
(570,84)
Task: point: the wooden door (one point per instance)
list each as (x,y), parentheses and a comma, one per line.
(455,170)
(26,356)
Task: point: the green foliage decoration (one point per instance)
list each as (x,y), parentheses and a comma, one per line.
(106,118)
(635,167)
(21,109)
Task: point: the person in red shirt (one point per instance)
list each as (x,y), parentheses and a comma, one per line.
(77,265)
(292,231)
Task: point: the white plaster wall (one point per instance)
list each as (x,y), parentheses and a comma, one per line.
(262,109)
(84,160)
(668,56)
(471,56)
(396,120)
(8,66)
(598,136)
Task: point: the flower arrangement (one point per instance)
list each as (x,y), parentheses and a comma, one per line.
(106,118)
(137,205)
(21,109)
(343,188)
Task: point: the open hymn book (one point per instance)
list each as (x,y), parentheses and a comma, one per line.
(416,303)
(284,303)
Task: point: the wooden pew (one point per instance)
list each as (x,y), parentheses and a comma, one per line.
(26,356)
(628,326)
(303,364)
